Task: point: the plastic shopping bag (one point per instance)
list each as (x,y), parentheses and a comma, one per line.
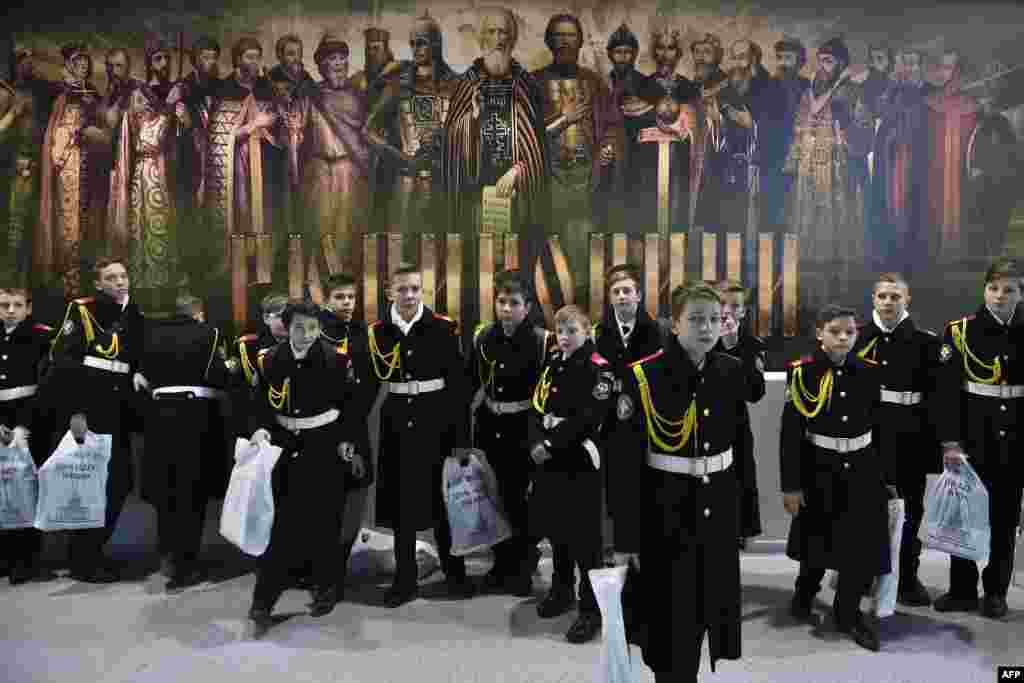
(19,487)
(73,484)
(471,498)
(373,555)
(614,665)
(956,515)
(248,513)
(883,593)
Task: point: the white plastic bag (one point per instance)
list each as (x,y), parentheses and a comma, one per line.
(956,515)
(248,513)
(19,487)
(73,484)
(373,555)
(614,665)
(471,499)
(886,587)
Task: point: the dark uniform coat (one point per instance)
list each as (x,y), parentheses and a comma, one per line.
(844,522)
(418,431)
(507,369)
(182,433)
(684,527)
(245,376)
(565,503)
(750,351)
(988,428)
(23,352)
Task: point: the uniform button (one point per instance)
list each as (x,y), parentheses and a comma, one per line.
(497,435)
(885,362)
(1003,407)
(844,418)
(5,356)
(705,479)
(842,394)
(296,411)
(499,390)
(839,372)
(883,386)
(501,365)
(887,339)
(707,512)
(408,376)
(1002,433)
(706,412)
(409,352)
(409,400)
(3,376)
(410,424)
(707,446)
(846,465)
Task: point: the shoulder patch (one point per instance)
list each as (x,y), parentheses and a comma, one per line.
(624,407)
(603,388)
(598,359)
(85,300)
(800,361)
(654,355)
(68,327)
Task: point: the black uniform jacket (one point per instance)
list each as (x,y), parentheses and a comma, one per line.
(351,338)
(245,376)
(906,360)
(844,522)
(418,430)
(684,526)
(569,405)
(24,352)
(988,428)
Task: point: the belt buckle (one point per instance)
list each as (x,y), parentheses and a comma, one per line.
(842,445)
(907,397)
(700,466)
(414,387)
(1005,391)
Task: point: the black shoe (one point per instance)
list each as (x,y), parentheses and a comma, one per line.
(586,627)
(182,579)
(398,595)
(800,608)
(557,602)
(21,573)
(324,600)
(913,593)
(992,606)
(261,616)
(303,582)
(952,603)
(460,587)
(168,567)
(862,634)
(98,574)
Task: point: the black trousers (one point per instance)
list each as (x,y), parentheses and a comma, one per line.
(179,522)
(1004,501)
(20,547)
(567,558)
(911,488)
(86,545)
(406,571)
(853,586)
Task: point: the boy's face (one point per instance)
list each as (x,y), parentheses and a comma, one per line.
(572,334)
(838,335)
(891,299)
(342,302)
(113,281)
(625,297)
(14,308)
(407,292)
(734,310)
(511,308)
(276,325)
(699,325)
(1003,294)
(302,332)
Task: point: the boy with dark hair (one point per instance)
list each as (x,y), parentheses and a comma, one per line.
(980,411)
(504,366)
(833,476)
(24,346)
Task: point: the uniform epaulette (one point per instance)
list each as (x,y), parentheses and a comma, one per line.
(85,300)
(800,361)
(42,327)
(374,324)
(958,320)
(598,359)
(246,338)
(654,355)
(480,327)
(443,317)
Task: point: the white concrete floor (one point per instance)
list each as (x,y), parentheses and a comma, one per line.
(132,631)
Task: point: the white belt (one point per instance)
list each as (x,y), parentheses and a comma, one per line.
(106,364)
(296,424)
(550,422)
(840,444)
(994,390)
(18,392)
(500,407)
(416,386)
(905,398)
(695,467)
(197,392)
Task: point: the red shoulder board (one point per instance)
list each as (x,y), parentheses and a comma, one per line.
(376,322)
(40,327)
(598,359)
(800,361)
(246,338)
(647,358)
(85,300)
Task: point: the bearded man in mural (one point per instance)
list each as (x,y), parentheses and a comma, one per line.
(142,208)
(583,127)
(495,137)
(406,130)
(881,66)
(289,74)
(73,191)
(335,160)
(667,50)
(898,210)
(790,58)
(709,78)
(825,210)
(243,162)
(952,117)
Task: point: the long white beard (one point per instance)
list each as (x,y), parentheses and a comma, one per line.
(498,62)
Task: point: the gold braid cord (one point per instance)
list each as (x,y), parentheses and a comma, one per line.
(869,352)
(541,391)
(960,341)
(659,428)
(799,393)
(390,361)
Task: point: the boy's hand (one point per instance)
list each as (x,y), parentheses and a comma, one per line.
(793,502)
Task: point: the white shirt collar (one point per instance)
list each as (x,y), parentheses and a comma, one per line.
(881,325)
(402,325)
(998,319)
(622,332)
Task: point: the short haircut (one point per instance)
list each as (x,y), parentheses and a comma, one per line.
(187,304)
(296,307)
(572,312)
(17,291)
(273,303)
(830,312)
(1004,267)
(512,282)
(337,281)
(623,271)
(406,269)
(893,278)
(284,41)
(104,262)
(734,287)
(684,294)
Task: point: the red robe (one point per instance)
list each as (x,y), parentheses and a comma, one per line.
(951,118)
